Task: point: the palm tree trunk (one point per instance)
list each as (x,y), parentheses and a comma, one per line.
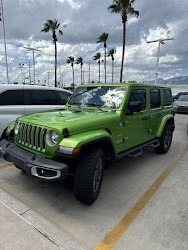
(73,76)
(55,64)
(123,52)
(81,74)
(112,71)
(99,70)
(105,63)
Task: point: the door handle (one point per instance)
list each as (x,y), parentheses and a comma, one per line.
(146,118)
(159,115)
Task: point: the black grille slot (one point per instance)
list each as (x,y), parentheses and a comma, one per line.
(34,136)
(22,135)
(38,137)
(29,135)
(26,135)
(43,138)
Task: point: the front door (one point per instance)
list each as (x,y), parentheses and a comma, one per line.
(136,124)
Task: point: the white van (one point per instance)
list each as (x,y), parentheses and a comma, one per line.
(17,100)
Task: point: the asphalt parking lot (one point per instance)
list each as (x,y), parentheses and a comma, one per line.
(124,183)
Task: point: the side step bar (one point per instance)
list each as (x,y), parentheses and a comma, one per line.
(134,152)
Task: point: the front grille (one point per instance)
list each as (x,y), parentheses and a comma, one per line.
(32,136)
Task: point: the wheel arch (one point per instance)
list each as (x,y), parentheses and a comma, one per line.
(104,143)
(97,138)
(169,119)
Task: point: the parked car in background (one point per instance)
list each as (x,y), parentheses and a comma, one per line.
(181,104)
(18,100)
(175,97)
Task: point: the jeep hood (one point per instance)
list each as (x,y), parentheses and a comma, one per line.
(73,119)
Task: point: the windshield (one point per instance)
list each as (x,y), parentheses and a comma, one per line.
(183,98)
(101,96)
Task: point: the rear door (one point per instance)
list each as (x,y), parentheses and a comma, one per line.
(156,114)
(37,100)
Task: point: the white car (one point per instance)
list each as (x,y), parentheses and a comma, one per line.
(18,100)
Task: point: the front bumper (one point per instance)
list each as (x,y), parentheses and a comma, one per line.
(33,164)
(182,109)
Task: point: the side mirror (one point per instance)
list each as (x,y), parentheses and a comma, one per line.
(135,106)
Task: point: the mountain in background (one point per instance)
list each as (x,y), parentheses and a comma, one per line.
(183,80)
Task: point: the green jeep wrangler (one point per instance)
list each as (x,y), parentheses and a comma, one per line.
(100,122)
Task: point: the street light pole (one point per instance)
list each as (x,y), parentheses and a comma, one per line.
(5,41)
(20,66)
(160,41)
(32,49)
(48,77)
(29,73)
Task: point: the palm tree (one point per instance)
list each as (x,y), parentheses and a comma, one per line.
(102,39)
(71,60)
(98,57)
(111,53)
(53,25)
(80,61)
(123,7)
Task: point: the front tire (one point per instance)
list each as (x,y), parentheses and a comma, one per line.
(165,140)
(89,175)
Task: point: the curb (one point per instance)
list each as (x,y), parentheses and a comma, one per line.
(61,239)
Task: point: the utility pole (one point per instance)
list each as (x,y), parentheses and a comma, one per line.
(160,41)
(48,77)
(32,49)
(20,67)
(89,72)
(5,41)
(29,73)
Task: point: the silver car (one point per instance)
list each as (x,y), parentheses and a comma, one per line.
(181,105)
(17,100)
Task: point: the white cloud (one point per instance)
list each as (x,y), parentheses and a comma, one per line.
(86,20)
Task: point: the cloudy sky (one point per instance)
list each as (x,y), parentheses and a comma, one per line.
(82,22)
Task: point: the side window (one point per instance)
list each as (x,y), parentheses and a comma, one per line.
(42,97)
(167,98)
(12,97)
(63,96)
(138,95)
(155,101)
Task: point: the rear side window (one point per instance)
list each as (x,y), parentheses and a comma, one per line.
(155,101)
(167,98)
(41,97)
(138,95)
(12,97)
(63,96)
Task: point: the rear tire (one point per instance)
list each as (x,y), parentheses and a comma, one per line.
(89,175)
(165,140)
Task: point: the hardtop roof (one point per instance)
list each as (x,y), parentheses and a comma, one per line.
(125,85)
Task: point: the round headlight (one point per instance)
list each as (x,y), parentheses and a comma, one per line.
(17,126)
(52,138)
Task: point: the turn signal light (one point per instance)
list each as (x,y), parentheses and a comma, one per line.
(75,150)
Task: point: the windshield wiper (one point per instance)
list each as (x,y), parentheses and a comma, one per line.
(80,93)
(97,106)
